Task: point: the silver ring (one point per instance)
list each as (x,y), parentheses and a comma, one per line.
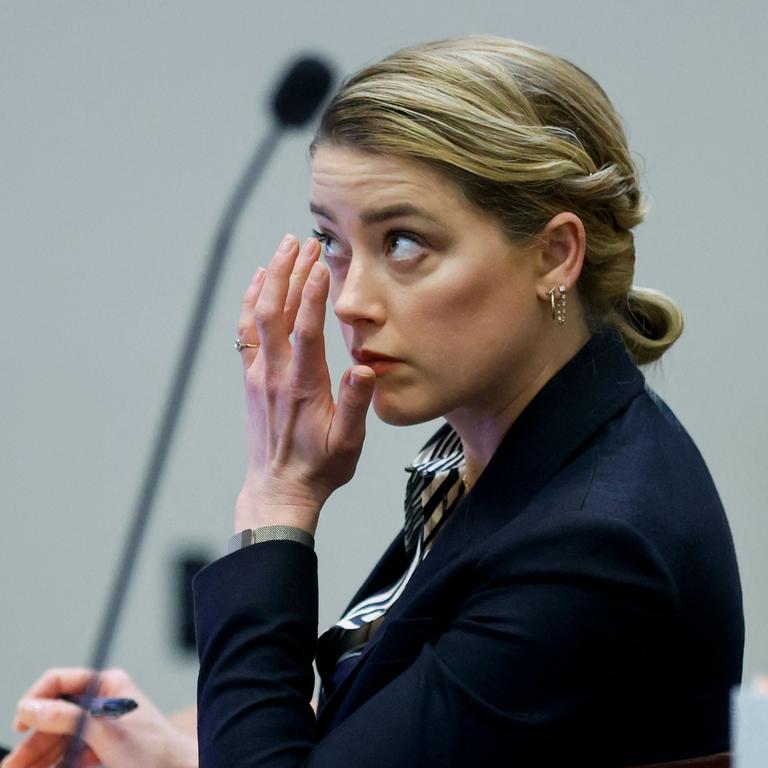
(240,345)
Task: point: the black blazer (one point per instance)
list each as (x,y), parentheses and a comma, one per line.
(581,606)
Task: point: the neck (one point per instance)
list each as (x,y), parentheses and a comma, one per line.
(482,428)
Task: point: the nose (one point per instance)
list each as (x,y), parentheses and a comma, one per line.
(358,294)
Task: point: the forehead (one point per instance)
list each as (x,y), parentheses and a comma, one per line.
(354,179)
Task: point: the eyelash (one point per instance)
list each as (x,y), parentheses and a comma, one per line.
(324,237)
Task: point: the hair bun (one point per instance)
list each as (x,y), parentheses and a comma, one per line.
(649,323)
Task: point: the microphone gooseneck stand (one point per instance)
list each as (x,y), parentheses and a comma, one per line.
(301,91)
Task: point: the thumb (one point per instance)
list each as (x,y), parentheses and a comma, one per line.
(47,715)
(348,427)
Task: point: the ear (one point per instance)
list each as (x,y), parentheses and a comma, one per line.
(563,243)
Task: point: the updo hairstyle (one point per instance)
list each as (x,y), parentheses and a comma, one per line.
(524,135)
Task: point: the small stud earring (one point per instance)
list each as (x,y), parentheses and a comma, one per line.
(557,303)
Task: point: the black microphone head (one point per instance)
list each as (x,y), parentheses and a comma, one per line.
(301,91)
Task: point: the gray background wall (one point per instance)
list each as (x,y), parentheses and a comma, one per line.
(123,127)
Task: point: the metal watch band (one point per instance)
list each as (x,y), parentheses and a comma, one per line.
(270,533)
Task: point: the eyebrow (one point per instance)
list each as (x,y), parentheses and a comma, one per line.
(382,214)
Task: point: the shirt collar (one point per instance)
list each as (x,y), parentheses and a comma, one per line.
(435,485)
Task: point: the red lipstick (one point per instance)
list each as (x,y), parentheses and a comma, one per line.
(368,356)
(380,363)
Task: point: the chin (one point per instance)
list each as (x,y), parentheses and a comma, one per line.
(401,413)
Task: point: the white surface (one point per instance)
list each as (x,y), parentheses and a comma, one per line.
(124,126)
(750,728)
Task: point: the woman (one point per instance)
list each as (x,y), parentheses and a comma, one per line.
(565,589)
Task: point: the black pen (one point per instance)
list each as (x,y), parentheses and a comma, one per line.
(103,707)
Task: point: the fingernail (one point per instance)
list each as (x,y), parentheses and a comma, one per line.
(260,272)
(358,380)
(287,244)
(317,272)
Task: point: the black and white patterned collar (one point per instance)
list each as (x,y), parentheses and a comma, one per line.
(435,485)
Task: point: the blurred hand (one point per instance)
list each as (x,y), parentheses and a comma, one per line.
(301,444)
(143,737)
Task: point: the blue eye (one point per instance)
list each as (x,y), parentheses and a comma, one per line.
(404,247)
(325,241)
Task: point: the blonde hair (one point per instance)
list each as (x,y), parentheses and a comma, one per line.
(524,135)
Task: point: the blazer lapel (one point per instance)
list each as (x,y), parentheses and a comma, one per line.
(390,567)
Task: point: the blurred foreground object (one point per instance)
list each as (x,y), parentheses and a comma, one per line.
(749,717)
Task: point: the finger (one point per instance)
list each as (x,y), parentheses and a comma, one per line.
(48,715)
(89,759)
(19,726)
(58,680)
(86,759)
(47,759)
(268,311)
(347,430)
(39,749)
(310,367)
(308,255)
(246,324)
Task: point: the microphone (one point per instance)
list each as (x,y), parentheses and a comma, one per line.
(299,94)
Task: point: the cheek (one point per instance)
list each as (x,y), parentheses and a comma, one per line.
(456,310)
(478,319)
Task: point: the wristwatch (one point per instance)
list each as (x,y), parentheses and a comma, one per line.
(270,533)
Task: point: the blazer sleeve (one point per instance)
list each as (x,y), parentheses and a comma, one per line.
(551,626)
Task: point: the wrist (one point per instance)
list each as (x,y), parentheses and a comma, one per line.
(259,509)
(185,752)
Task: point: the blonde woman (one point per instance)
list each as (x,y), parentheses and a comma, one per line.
(565,590)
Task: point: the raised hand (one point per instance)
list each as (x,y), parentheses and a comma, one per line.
(301,444)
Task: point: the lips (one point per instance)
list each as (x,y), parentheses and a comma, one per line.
(366,356)
(378,362)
